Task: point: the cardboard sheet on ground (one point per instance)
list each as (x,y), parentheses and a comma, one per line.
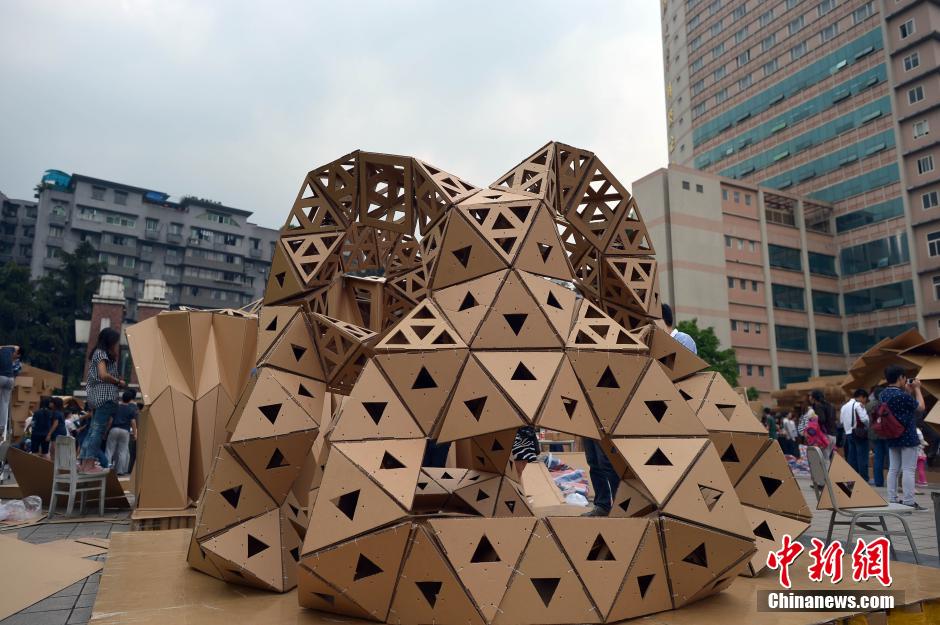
(39,573)
(34,476)
(74,548)
(146,578)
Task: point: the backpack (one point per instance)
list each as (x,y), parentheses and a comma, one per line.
(885,424)
(814,435)
(859,429)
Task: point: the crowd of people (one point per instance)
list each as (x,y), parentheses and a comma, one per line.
(854,429)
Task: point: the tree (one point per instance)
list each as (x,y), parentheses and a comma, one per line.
(723,361)
(752,393)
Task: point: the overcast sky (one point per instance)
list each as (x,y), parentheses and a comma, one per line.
(235,101)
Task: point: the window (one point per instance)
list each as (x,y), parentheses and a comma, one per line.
(53,252)
(146,249)
(87,214)
(728,240)
(921,128)
(721,95)
(724,196)
(718,50)
(740,36)
(784,257)
(739,12)
(200,234)
(798,51)
(730,282)
(882,297)
(697,64)
(795,26)
(737,197)
(97,193)
(750,369)
(768,42)
(877,254)
(56,231)
(792,337)
(734,325)
(745,82)
(747,202)
(719,73)
(695,44)
(176,228)
(152,224)
(694,21)
(929,200)
(825,302)
(744,58)
(925,164)
(760,370)
(231,239)
(766,18)
(911,61)
(58,209)
(698,87)
(933,243)
(860,340)
(754,285)
(915,94)
(788,297)
(714,7)
(757,326)
(829,32)
(698,110)
(822,264)
(220,218)
(685,185)
(699,188)
(829,342)
(825,7)
(120,197)
(770,67)
(715,29)
(743,281)
(747,327)
(862,13)
(907,29)
(117,239)
(125,221)
(791,4)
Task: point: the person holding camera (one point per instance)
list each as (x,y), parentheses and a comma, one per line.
(904,398)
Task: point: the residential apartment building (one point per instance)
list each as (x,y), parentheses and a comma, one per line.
(830,101)
(209,254)
(17,229)
(759,266)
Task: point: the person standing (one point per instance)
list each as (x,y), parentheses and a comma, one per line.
(103,386)
(878,445)
(904,398)
(121,428)
(41,426)
(684,339)
(789,426)
(10,366)
(854,420)
(827,417)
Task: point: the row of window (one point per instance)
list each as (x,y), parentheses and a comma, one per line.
(751,369)
(743,283)
(877,254)
(792,298)
(882,297)
(794,338)
(794,116)
(869,215)
(874,179)
(99,193)
(792,85)
(742,243)
(737,197)
(745,326)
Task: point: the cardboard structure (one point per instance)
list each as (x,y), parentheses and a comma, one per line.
(530,302)
(33,475)
(192,367)
(31,384)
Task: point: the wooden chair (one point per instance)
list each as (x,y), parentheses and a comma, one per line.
(860,520)
(67,481)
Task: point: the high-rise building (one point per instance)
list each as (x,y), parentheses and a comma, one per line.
(831,101)
(209,254)
(17,228)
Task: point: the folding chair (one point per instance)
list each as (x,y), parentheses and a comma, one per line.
(67,481)
(863,518)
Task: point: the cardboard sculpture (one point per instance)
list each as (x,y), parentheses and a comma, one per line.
(868,369)
(31,384)
(192,367)
(531,302)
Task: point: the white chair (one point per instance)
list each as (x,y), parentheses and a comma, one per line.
(67,481)
(860,520)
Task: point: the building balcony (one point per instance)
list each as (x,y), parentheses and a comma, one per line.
(51,263)
(63,219)
(55,241)
(255,252)
(174,239)
(123,250)
(8,218)
(152,235)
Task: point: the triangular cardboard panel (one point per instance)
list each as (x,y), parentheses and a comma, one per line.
(535,176)
(283,281)
(310,254)
(677,361)
(630,235)
(738,450)
(266,410)
(385,192)
(374,410)
(365,569)
(632,500)
(515,321)
(768,528)
(198,559)
(233,574)
(177,351)
(542,253)
(202,343)
(645,588)
(630,282)
(276,462)
(594,329)
(707,496)
(484,552)
(601,551)
(511,501)
(572,166)
(253,546)
(161,458)
(429,591)
(477,407)
(657,409)
(608,378)
(449,478)
(557,302)
(340,346)
(523,376)
(272,321)
(295,351)
(720,583)
(696,556)
(659,463)
(769,485)
(435,193)
(491,452)
(566,407)
(504,226)
(313,592)
(393,464)
(310,394)
(725,410)
(544,588)
(210,414)
(425,327)
(235,349)
(598,205)
(232,495)
(146,343)
(323,202)
(349,503)
(464,254)
(466,304)
(850,489)
(480,496)
(424,380)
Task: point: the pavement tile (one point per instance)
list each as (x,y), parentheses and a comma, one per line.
(58,617)
(79,616)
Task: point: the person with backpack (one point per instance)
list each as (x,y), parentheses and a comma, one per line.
(854,421)
(895,420)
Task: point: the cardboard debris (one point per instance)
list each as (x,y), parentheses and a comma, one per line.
(31,384)
(33,474)
(425,308)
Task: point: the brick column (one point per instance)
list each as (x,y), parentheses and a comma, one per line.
(107,311)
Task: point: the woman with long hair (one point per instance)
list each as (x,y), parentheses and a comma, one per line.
(103,387)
